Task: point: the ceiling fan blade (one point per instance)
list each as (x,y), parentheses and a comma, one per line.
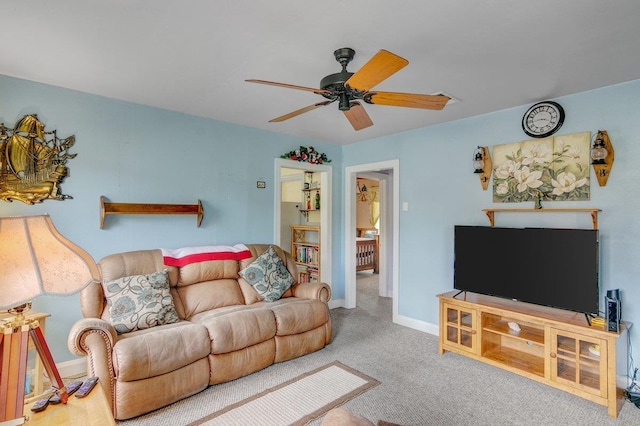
(380,67)
(358,116)
(409,100)
(299,111)
(290,86)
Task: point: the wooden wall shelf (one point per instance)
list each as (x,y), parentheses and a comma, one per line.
(594,213)
(108,208)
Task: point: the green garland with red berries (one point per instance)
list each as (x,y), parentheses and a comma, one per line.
(308,155)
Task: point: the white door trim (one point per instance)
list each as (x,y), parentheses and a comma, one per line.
(350,173)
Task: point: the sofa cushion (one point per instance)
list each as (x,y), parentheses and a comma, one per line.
(208,271)
(208,295)
(294,316)
(237,327)
(251,296)
(268,275)
(140,301)
(232,365)
(93,301)
(159,350)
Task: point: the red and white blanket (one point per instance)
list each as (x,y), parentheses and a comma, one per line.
(187,255)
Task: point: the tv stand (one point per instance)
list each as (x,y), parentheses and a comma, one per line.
(548,345)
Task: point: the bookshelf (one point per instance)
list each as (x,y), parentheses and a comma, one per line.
(305,249)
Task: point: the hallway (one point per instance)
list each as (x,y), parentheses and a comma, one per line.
(368,299)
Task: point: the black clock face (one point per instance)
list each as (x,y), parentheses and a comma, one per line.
(543,119)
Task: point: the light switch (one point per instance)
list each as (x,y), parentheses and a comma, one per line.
(405,206)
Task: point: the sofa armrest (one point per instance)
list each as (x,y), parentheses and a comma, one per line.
(80,331)
(95,338)
(317,291)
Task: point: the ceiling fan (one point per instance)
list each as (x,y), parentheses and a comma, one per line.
(347,88)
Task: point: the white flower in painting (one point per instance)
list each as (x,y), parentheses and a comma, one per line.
(527,178)
(566,182)
(574,152)
(506,169)
(502,189)
(538,154)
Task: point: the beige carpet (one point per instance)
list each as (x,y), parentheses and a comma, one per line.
(418,386)
(297,401)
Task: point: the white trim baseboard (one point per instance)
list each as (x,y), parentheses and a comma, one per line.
(417,325)
(339,303)
(423,326)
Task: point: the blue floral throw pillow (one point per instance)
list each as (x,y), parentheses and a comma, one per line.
(140,301)
(268,275)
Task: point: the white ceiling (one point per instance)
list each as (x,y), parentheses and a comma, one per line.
(193,56)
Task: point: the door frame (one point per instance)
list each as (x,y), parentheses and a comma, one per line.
(325,212)
(391,237)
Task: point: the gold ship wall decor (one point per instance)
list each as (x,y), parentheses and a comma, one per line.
(32,162)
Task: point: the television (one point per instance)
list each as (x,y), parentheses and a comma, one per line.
(544,266)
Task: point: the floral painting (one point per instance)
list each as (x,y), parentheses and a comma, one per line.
(551,169)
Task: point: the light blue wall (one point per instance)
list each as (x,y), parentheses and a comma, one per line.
(436,180)
(136,154)
(132,153)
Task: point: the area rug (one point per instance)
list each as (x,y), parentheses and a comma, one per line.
(297,401)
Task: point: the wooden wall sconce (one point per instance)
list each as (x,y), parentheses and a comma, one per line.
(602,156)
(482,165)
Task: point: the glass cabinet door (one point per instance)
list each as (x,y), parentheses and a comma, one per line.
(460,327)
(579,361)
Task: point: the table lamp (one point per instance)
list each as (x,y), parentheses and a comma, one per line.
(35,259)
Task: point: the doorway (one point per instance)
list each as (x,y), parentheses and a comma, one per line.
(386,173)
(282,219)
(371,199)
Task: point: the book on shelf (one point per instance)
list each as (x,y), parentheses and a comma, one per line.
(306,255)
(303,277)
(307,277)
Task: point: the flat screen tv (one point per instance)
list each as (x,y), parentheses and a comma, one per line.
(551,267)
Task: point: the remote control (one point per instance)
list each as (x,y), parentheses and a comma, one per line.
(40,405)
(71,388)
(86,387)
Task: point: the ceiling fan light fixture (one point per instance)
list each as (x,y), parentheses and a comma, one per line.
(344,104)
(344,55)
(347,88)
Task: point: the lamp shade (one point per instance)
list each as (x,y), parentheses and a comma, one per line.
(35,259)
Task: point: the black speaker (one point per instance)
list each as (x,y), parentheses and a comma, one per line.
(615,294)
(612,314)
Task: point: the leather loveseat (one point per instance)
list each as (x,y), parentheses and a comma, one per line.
(223,329)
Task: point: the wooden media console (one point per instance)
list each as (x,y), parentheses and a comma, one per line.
(552,346)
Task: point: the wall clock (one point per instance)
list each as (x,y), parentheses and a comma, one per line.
(543,119)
